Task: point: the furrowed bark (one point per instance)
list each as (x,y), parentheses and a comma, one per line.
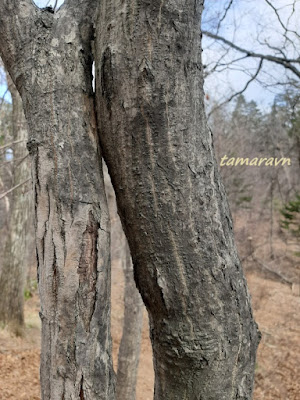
(159,152)
(52,69)
(129,351)
(13,268)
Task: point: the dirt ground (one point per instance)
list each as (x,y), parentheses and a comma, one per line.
(278,365)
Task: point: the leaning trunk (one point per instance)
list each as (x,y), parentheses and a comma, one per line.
(53,73)
(159,152)
(13,268)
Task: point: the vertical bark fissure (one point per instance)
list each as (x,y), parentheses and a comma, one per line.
(87,270)
(55,282)
(81,394)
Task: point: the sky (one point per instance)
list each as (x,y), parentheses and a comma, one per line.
(44,3)
(246,20)
(245,23)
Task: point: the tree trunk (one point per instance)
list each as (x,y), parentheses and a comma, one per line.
(13,269)
(49,59)
(129,351)
(159,152)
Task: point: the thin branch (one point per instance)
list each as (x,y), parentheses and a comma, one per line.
(265,43)
(270,270)
(13,188)
(3,97)
(280,20)
(21,160)
(224,15)
(292,13)
(11,144)
(240,91)
(16,160)
(53,7)
(285,62)
(218,64)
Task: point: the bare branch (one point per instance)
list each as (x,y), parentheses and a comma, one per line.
(16,160)
(280,20)
(270,270)
(3,97)
(13,188)
(241,91)
(271,47)
(218,64)
(11,144)
(285,62)
(224,15)
(55,5)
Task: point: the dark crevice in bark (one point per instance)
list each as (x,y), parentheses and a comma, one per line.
(33,151)
(87,270)
(63,236)
(55,280)
(48,195)
(107,78)
(81,393)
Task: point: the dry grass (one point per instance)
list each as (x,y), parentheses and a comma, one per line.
(278,365)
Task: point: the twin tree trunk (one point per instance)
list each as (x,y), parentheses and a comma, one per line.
(173,207)
(13,267)
(159,153)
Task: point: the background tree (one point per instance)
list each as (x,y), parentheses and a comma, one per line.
(13,271)
(129,349)
(252,48)
(291,218)
(130,346)
(5,170)
(257,194)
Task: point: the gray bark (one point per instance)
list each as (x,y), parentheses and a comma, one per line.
(48,56)
(130,346)
(159,152)
(13,269)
